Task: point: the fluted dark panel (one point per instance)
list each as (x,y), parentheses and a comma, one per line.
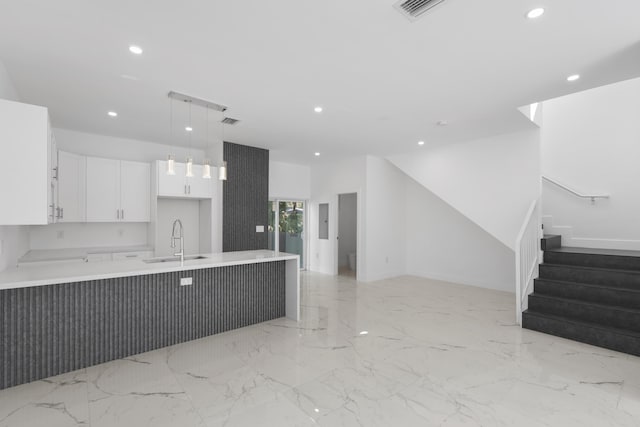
(245,198)
(49,330)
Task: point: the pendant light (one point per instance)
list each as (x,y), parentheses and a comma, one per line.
(206,169)
(206,164)
(222,170)
(189,130)
(171,165)
(171,161)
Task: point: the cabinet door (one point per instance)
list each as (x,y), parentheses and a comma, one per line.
(198,187)
(25,183)
(135,191)
(71,187)
(171,185)
(103,190)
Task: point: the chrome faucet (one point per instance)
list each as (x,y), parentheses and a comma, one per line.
(179,237)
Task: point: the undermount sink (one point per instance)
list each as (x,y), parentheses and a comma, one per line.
(173,258)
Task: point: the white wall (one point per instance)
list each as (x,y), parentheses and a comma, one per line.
(189,213)
(491,181)
(347,227)
(110,147)
(347,175)
(591,142)
(14,240)
(289,181)
(443,244)
(384,225)
(87,235)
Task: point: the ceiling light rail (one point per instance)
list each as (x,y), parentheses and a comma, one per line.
(197,101)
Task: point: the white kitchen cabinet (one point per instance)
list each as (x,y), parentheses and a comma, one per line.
(71,187)
(26,164)
(179,185)
(103,190)
(135,191)
(199,187)
(171,185)
(117,191)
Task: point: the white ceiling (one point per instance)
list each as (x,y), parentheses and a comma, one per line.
(383,81)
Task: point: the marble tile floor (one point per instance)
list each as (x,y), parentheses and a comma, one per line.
(399,352)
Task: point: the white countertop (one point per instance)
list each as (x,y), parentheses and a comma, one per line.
(38,255)
(40,275)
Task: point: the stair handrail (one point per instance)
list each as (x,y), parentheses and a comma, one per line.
(527,251)
(576,193)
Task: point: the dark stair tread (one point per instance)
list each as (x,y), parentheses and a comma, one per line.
(589,285)
(582,302)
(590,251)
(582,267)
(610,329)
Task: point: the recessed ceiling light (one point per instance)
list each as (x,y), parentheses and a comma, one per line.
(442,123)
(317,410)
(364,333)
(316,154)
(188,128)
(420,142)
(318,109)
(573,77)
(112,114)
(135,49)
(535,13)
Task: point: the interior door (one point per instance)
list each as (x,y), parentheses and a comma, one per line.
(103,190)
(135,191)
(71,187)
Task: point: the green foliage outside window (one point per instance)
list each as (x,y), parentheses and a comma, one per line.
(291,217)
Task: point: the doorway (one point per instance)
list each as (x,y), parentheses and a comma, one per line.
(287,219)
(347,234)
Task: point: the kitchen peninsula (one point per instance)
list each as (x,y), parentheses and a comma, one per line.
(63,317)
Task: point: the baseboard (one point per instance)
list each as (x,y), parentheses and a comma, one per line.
(510,287)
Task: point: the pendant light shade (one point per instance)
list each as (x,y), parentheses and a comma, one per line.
(171,165)
(189,167)
(206,169)
(222,172)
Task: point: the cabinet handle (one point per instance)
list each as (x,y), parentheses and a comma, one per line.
(58,212)
(118,213)
(61,213)
(189,189)
(56,171)
(53,215)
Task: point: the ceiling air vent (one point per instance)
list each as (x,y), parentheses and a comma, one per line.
(414,9)
(229,121)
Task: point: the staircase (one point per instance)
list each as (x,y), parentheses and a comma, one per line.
(587,295)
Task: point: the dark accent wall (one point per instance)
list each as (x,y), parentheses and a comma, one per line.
(245,198)
(49,330)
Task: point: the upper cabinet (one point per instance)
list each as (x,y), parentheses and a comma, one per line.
(135,191)
(26,168)
(118,190)
(179,185)
(71,188)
